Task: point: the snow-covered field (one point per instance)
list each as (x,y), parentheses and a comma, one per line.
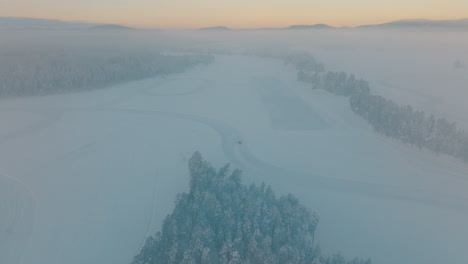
(86,177)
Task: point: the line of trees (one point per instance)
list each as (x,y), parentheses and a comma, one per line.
(53,71)
(223,221)
(387,117)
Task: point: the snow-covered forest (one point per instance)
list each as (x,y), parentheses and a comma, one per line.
(49,69)
(386,116)
(223,221)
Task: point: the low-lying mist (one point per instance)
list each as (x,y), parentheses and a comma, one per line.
(366,127)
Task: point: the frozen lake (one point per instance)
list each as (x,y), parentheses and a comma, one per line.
(86,177)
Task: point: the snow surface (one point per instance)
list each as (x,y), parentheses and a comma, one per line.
(86,177)
(408,66)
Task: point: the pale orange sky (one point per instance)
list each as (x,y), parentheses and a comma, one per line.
(235,14)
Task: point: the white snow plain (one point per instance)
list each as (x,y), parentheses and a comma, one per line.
(86,177)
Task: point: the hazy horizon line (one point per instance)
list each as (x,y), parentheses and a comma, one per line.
(229,27)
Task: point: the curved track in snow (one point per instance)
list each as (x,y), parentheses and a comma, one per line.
(243,158)
(16,218)
(48,119)
(200,84)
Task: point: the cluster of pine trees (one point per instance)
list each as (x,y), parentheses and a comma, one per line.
(387,117)
(303,61)
(46,72)
(222,221)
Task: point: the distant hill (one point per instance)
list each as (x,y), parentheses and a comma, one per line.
(40,23)
(19,23)
(422,23)
(459,24)
(111,27)
(216,28)
(302,27)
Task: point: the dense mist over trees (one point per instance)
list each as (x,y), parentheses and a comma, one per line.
(55,71)
(221,220)
(386,116)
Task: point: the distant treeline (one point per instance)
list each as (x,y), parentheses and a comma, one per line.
(222,221)
(387,117)
(47,71)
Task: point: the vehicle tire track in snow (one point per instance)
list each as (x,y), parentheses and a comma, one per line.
(154,208)
(242,157)
(50,118)
(16,218)
(154,92)
(79,151)
(245,160)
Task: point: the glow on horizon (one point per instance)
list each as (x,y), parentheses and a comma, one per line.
(235,14)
